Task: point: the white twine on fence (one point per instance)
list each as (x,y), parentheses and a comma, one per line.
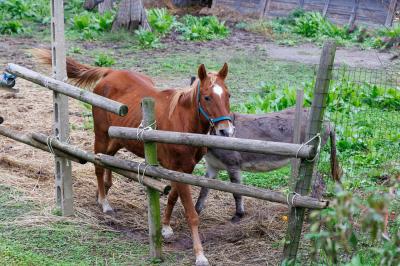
(49,139)
(48,142)
(318,147)
(140,179)
(142,129)
(291,205)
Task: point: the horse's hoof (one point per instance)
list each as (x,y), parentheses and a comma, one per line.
(106,207)
(167,231)
(201,260)
(237,217)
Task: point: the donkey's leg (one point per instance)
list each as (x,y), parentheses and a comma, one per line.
(167,231)
(235,177)
(211,173)
(192,218)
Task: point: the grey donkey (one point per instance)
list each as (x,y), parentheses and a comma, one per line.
(276,126)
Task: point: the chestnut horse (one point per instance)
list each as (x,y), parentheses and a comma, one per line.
(196,109)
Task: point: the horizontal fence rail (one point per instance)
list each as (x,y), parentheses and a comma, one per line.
(237,144)
(50,144)
(253,192)
(67,89)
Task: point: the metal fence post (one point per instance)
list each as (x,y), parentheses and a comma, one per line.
(63,177)
(153,196)
(296,215)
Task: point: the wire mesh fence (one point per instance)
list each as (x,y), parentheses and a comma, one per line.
(364,105)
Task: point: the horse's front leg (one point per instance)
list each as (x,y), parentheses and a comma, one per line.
(192,218)
(167,231)
(235,177)
(211,173)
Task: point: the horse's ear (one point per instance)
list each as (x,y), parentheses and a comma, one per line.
(223,73)
(202,72)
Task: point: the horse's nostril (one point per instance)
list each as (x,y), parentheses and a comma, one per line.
(223,132)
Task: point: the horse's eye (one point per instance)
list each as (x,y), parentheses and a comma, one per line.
(207,98)
(229,95)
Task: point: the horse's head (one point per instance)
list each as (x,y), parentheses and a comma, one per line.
(213,100)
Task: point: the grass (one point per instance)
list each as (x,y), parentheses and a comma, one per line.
(62,243)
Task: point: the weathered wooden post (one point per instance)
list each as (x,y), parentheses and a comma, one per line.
(296,136)
(153,196)
(63,177)
(296,215)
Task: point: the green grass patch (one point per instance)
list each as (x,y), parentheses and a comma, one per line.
(62,243)
(13,204)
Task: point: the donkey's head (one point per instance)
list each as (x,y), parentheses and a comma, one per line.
(213,100)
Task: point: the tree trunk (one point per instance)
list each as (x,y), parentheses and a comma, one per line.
(91,4)
(105,6)
(131,15)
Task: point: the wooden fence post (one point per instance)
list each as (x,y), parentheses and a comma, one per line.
(153,196)
(296,215)
(296,136)
(63,176)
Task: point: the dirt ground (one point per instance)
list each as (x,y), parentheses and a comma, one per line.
(258,236)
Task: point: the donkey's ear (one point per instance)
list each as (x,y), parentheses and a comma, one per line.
(223,72)
(202,72)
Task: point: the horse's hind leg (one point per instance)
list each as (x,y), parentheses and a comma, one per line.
(211,173)
(107,180)
(103,144)
(235,177)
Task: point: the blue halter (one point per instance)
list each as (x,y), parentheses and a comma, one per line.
(204,113)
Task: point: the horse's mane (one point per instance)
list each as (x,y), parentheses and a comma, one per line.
(187,94)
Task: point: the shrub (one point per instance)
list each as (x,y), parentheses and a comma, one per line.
(147,39)
(202,28)
(160,20)
(104,60)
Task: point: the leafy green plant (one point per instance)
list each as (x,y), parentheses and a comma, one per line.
(202,28)
(104,60)
(90,25)
(105,21)
(10,27)
(17,9)
(160,20)
(336,230)
(147,39)
(81,22)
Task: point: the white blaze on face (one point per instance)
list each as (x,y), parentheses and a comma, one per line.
(218,90)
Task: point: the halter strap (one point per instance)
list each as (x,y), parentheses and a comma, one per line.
(204,113)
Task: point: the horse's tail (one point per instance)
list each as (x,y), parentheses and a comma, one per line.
(335,168)
(83,75)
